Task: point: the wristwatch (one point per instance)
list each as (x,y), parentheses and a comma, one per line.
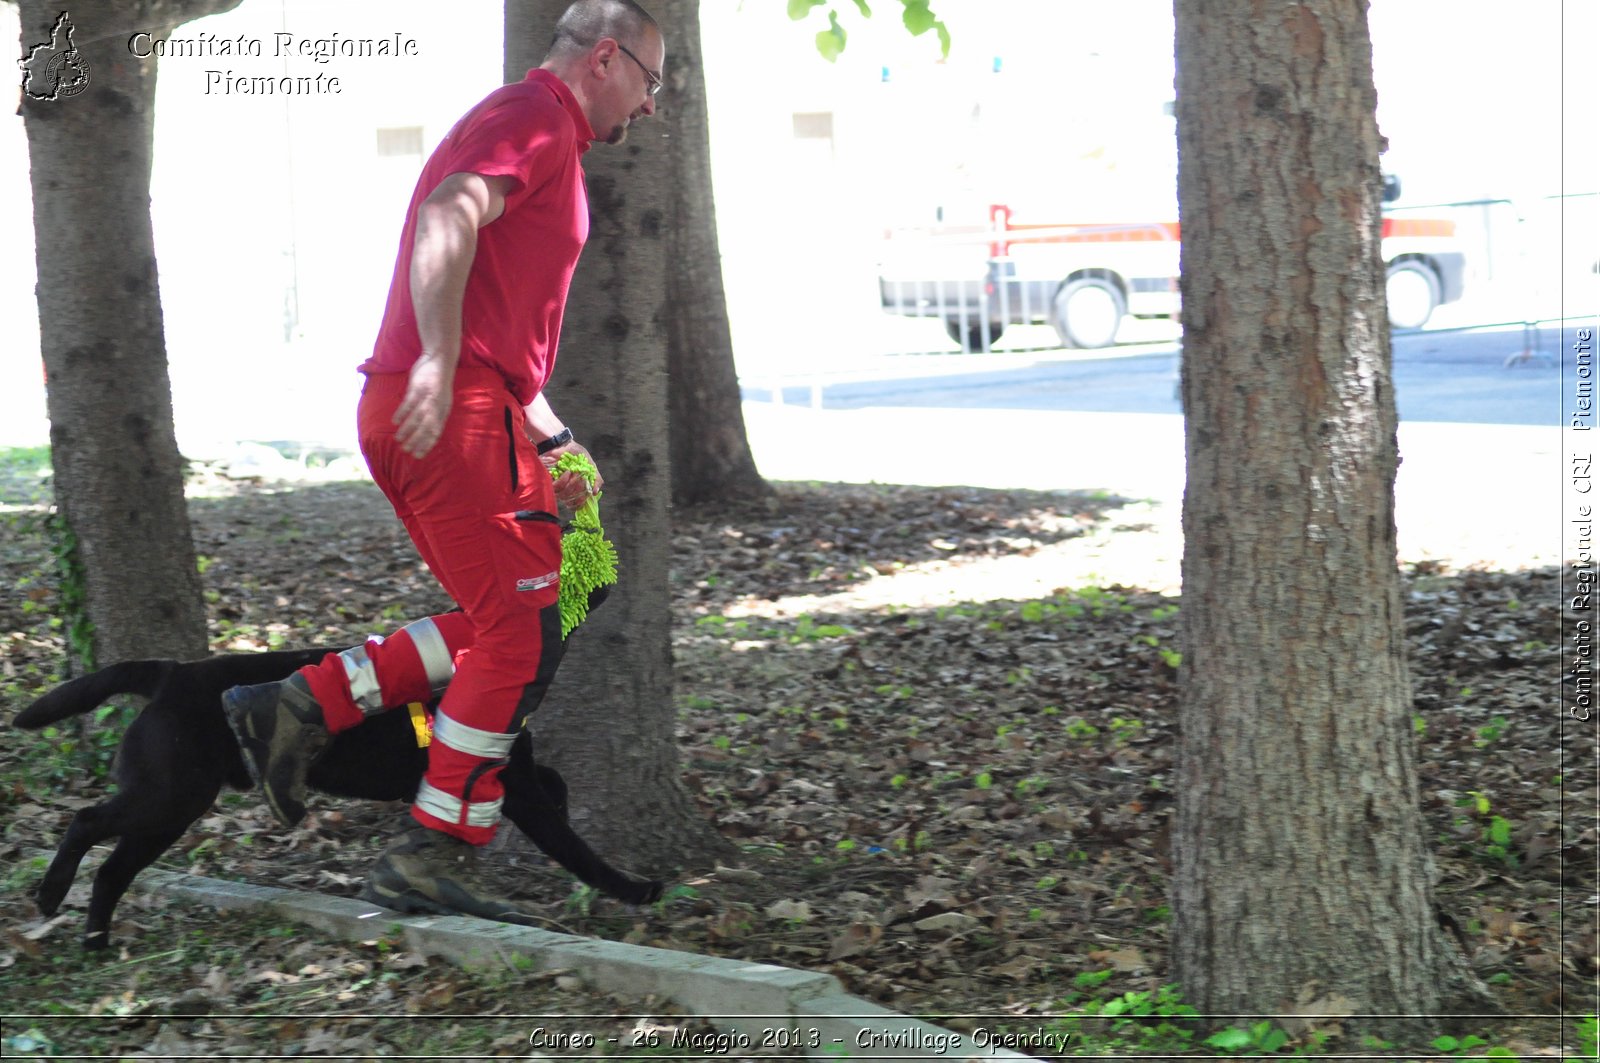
(560,439)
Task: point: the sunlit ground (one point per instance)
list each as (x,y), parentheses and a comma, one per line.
(1467,495)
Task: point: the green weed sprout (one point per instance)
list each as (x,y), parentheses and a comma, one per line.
(588,558)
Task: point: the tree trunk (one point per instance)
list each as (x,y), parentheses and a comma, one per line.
(610,720)
(711,459)
(1303,879)
(118,474)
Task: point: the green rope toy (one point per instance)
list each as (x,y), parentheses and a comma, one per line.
(588,558)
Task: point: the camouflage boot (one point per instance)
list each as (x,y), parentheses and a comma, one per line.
(281,733)
(430,871)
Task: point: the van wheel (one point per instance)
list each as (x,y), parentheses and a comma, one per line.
(970,335)
(1413,293)
(1088,312)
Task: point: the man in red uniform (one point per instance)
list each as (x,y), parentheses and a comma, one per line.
(457,432)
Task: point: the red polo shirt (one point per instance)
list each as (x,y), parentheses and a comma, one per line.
(535,133)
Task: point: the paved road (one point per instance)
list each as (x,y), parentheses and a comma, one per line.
(1456,377)
(1479,484)
(1451,377)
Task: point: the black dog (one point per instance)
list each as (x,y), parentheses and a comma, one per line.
(178,753)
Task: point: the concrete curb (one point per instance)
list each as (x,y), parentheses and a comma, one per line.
(759,1006)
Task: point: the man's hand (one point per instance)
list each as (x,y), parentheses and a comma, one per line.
(423,411)
(572,490)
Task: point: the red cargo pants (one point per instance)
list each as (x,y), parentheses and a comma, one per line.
(481,510)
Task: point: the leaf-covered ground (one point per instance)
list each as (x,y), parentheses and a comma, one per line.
(954,804)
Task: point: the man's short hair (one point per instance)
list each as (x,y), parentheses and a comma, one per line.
(586,22)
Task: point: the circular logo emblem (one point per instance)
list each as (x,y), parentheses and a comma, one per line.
(67,74)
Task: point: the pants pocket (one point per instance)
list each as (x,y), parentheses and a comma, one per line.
(525,550)
(511,449)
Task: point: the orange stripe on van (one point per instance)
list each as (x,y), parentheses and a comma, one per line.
(1109,232)
(1418,227)
(1124,232)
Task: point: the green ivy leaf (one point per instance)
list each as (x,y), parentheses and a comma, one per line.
(799,9)
(1229,1040)
(917,17)
(1273,1040)
(830,42)
(861,6)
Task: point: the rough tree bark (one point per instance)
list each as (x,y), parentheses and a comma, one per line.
(118,474)
(610,719)
(711,459)
(1303,879)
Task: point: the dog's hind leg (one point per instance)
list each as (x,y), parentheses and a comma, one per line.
(88,828)
(147,819)
(134,853)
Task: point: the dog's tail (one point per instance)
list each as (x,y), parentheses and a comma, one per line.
(78,696)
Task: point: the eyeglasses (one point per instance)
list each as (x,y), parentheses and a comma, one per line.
(655,80)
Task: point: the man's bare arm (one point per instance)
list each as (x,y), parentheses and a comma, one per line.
(441,259)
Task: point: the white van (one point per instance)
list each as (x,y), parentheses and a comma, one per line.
(1084,279)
